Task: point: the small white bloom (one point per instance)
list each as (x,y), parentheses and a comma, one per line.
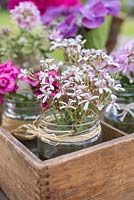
(114,107)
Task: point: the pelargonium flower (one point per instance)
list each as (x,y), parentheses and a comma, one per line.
(32,79)
(125,59)
(8,77)
(78,87)
(26,15)
(48,85)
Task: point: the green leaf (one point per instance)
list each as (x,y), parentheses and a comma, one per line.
(97,38)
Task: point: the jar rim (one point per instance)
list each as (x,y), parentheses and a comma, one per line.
(96,119)
(8,100)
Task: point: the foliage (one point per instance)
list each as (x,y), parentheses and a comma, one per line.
(28,41)
(24,48)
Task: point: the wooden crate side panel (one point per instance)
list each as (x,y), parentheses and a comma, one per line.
(102,173)
(19,177)
(109,132)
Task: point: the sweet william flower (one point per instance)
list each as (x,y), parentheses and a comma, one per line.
(8,68)
(45,106)
(8,77)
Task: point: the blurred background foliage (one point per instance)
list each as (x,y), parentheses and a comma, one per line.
(127,7)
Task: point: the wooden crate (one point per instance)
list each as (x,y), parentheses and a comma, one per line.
(101,172)
(2,195)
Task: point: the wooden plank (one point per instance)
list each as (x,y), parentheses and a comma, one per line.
(19,173)
(70,177)
(102,172)
(2,196)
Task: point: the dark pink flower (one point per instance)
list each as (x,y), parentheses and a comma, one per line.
(32,80)
(45,106)
(44,4)
(7,84)
(8,77)
(10,69)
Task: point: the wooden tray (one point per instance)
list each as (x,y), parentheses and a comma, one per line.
(101,172)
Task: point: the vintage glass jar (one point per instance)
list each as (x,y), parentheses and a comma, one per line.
(55,140)
(123,121)
(17,112)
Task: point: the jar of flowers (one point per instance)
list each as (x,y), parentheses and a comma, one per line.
(24,44)
(124,118)
(72,93)
(18,108)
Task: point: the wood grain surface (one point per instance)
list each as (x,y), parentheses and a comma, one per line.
(2,196)
(95,173)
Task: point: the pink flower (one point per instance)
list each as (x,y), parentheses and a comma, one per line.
(125,59)
(26,15)
(10,69)
(45,106)
(42,5)
(29,80)
(8,77)
(7,84)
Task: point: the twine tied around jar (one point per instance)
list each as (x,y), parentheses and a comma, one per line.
(31,131)
(12,124)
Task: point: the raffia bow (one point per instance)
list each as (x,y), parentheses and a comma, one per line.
(30,131)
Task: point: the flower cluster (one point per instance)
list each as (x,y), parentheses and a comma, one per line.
(90,15)
(8,77)
(26,15)
(28,41)
(43,4)
(78,87)
(125,59)
(65,16)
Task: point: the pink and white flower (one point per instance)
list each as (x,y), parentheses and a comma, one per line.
(26,15)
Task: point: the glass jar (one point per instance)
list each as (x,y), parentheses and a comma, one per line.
(55,140)
(17,112)
(124,99)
